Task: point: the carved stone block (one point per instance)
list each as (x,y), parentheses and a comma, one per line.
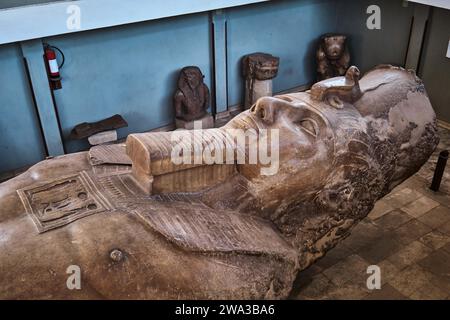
(103,137)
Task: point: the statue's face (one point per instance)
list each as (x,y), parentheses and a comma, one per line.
(193,78)
(305,148)
(334,46)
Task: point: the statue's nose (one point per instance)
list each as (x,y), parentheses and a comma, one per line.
(264,109)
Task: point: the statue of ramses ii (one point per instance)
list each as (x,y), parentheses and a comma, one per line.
(227,213)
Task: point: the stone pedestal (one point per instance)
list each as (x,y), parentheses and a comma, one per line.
(206,122)
(257,89)
(258,70)
(103,137)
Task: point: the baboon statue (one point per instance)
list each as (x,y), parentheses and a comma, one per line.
(333,57)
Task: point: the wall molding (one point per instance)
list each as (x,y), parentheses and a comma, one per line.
(50,19)
(435,3)
(33,54)
(418,30)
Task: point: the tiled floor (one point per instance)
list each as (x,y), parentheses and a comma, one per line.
(407,235)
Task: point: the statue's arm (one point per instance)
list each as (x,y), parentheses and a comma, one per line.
(344,62)
(178,101)
(322,63)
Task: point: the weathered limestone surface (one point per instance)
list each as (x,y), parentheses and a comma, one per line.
(141,226)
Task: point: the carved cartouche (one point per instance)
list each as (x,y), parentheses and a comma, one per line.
(156,229)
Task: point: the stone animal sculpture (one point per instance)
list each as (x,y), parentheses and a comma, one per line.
(140,224)
(192,95)
(332,57)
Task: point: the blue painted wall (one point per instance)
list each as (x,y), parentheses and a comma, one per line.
(21,141)
(130,70)
(372,47)
(287,29)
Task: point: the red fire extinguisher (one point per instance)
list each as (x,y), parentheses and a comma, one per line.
(53,69)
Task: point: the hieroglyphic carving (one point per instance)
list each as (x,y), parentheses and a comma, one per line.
(62,201)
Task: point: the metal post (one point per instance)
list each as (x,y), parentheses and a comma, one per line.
(439,171)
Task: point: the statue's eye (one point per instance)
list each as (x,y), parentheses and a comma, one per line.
(310,126)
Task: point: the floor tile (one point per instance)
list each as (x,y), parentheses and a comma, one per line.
(333,256)
(436,217)
(305,278)
(402,197)
(380,248)
(420,206)
(417,283)
(409,255)
(438,263)
(388,271)
(445,228)
(410,231)
(352,269)
(435,240)
(347,292)
(380,209)
(439,196)
(316,289)
(362,235)
(393,220)
(387,292)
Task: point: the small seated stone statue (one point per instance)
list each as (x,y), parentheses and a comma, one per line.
(139,224)
(333,57)
(191,99)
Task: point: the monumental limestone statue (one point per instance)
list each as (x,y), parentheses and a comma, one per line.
(141,224)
